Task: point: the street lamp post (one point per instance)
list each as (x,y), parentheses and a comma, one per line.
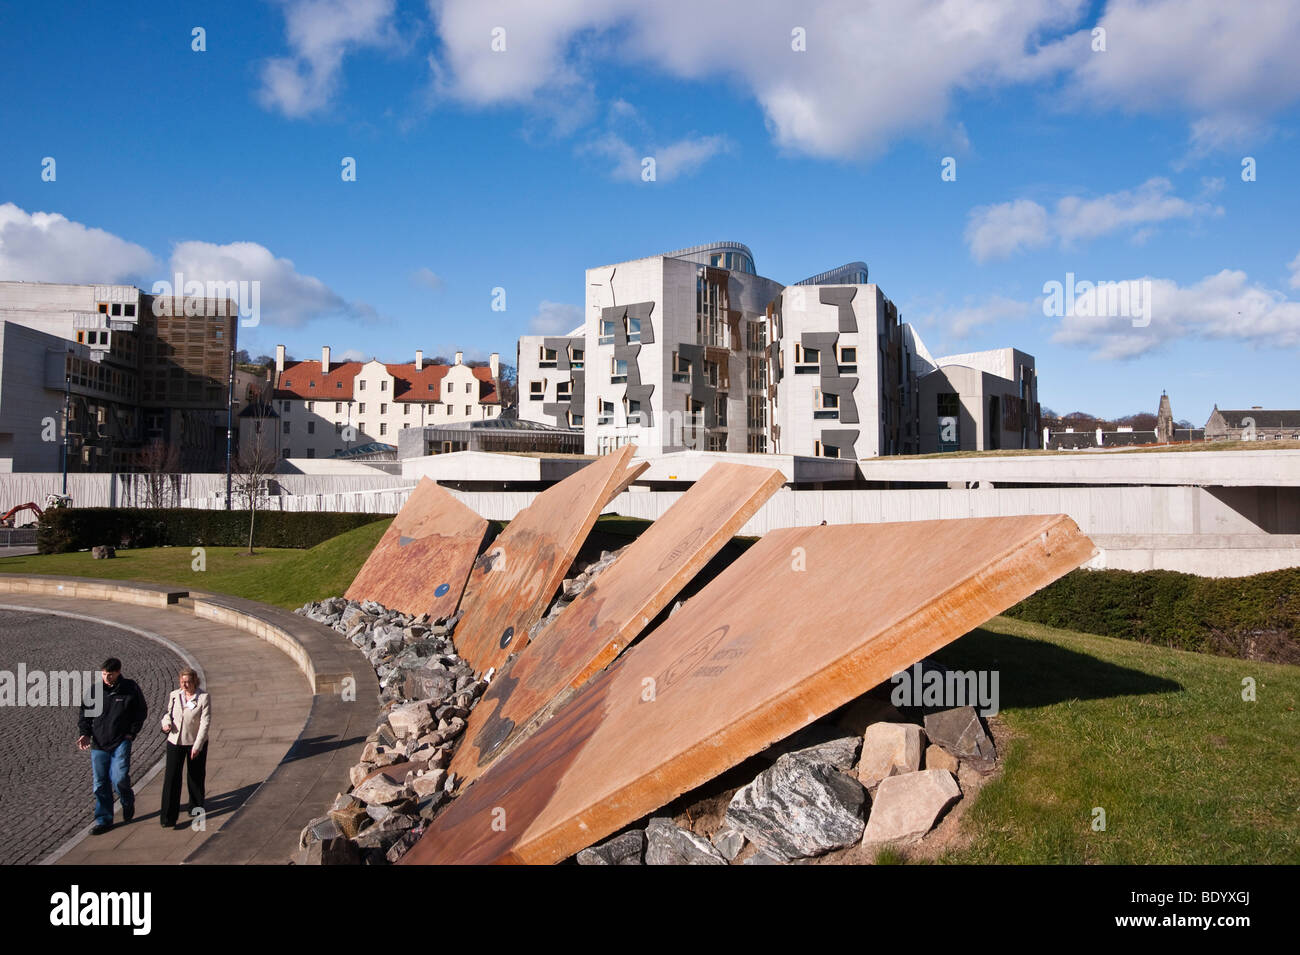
(230,412)
(67,408)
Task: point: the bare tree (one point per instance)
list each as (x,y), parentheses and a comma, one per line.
(253,466)
(159,462)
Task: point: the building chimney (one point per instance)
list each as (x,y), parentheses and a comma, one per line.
(419,359)
(279,361)
(325,359)
(460,357)
(494,363)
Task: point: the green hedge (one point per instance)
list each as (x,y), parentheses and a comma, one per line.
(1255,617)
(77,528)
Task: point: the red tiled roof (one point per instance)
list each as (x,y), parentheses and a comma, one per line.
(303,379)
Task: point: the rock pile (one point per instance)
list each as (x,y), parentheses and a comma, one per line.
(426,692)
(828,789)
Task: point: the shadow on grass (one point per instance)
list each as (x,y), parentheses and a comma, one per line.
(1034,673)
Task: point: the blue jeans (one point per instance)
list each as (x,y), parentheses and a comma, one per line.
(115,765)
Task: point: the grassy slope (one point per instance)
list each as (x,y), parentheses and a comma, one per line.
(1186,771)
(284,577)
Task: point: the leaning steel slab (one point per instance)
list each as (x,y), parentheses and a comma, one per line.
(806,620)
(612,611)
(421,563)
(511,585)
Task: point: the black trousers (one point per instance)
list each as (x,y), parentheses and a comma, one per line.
(196,768)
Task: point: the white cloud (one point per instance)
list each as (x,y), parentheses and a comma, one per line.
(320,34)
(555,318)
(874,73)
(48,247)
(998,231)
(428,278)
(351,354)
(676,159)
(288,297)
(869,73)
(1220,307)
(997,309)
(1230,64)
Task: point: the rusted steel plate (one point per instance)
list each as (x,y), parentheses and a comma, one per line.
(805,621)
(421,563)
(511,585)
(612,611)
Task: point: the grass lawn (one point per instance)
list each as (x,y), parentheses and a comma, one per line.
(284,577)
(1186,771)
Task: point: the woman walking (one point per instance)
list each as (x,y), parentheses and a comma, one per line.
(186,725)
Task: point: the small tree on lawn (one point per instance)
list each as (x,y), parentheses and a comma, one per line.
(159,462)
(253,466)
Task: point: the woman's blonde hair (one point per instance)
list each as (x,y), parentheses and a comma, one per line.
(189,671)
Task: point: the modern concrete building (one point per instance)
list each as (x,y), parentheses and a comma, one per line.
(323,407)
(693,349)
(140,375)
(980,401)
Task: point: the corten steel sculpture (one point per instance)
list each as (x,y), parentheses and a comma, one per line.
(808,619)
(514,581)
(612,611)
(421,563)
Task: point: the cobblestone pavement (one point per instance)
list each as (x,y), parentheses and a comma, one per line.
(45,781)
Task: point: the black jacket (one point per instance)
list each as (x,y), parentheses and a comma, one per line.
(122,714)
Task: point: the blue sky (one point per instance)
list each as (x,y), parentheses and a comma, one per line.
(519,168)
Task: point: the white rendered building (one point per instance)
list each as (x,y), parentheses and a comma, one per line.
(322,407)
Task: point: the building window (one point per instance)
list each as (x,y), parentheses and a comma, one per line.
(564,390)
(633,330)
(103,308)
(577,356)
(338,427)
(468,411)
(633,411)
(338,386)
(406,410)
(681,369)
(617,371)
(308,405)
(383,385)
(361,408)
(81,338)
(536,390)
(117,309)
(285,453)
(383,407)
(311,452)
(575,420)
(311,427)
(383,428)
(129,310)
(361,384)
(806,360)
(948,405)
(546,357)
(848,359)
(284,406)
(338,407)
(606,332)
(285,427)
(606,413)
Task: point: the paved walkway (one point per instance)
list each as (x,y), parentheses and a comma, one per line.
(44,778)
(260,701)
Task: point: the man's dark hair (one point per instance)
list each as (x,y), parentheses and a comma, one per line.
(112,665)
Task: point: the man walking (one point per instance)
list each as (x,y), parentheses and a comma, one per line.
(108,726)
